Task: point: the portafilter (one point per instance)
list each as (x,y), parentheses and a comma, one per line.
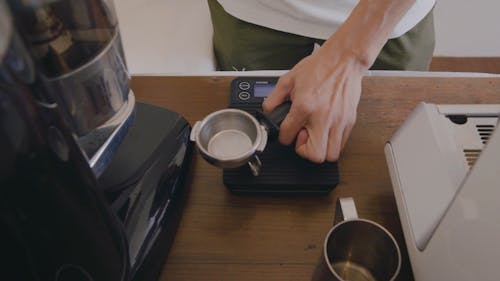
(232,138)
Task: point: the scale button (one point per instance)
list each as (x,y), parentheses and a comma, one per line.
(244,95)
(244,85)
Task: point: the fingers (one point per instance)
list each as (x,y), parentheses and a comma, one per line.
(295,120)
(313,150)
(347,133)
(312,142)
(322,116)
(302,138)
(334,144)
(344,122)
(338,136)
(279,94)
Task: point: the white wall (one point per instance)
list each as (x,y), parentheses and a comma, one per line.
(166,36)
(467,28)
(174,36)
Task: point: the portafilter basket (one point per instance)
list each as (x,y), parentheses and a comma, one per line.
(232,138)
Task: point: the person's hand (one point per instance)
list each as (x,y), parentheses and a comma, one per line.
(324,89)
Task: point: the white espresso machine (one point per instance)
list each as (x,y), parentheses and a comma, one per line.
(444,163)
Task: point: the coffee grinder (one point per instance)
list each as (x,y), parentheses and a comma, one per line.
(92,183)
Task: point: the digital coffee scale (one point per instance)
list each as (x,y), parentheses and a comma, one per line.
(283,171)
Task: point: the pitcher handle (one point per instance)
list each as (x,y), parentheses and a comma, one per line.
(345,209)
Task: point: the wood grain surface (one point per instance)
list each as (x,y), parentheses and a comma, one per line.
(228,237)
(466,64)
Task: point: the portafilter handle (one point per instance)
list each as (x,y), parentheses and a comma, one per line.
(272,120)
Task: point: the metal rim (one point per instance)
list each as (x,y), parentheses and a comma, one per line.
(325,244)
(240,157)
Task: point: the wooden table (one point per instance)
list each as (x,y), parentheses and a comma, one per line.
(228,237)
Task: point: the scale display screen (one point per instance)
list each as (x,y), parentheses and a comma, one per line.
(262,90)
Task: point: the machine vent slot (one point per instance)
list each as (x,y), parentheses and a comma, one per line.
(471,156)
(485,132)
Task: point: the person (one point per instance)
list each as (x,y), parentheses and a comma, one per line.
(324,86)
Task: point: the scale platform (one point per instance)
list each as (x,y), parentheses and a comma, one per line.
(283,171)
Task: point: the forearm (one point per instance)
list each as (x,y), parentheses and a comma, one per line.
(325,87)
(367,29)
